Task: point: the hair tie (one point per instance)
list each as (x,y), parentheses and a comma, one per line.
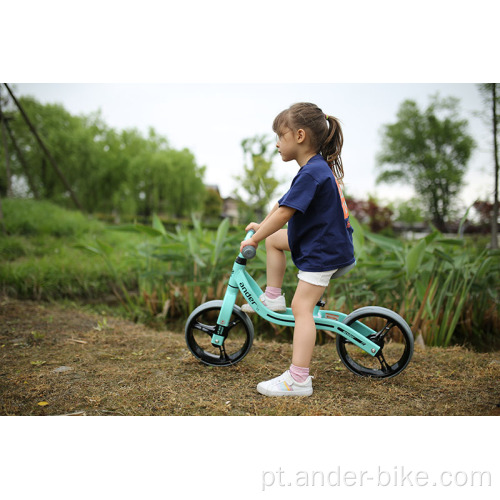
(326,116)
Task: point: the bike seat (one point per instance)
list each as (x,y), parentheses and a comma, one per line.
(343,270)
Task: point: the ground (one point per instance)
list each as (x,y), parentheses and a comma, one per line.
(58,359)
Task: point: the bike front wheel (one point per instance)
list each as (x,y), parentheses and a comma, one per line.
(389,331)
(202,324)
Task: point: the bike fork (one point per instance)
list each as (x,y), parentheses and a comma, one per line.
(228,302)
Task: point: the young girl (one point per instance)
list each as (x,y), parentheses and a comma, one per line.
(319,235)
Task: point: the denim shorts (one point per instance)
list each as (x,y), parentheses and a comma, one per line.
(319,279)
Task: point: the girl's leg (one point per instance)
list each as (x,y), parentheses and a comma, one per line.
(276,245)
(296,380)
(304,336)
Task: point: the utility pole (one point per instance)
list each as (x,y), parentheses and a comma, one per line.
(44,149)
(5,148)
(494,217)
(4,139)
(22,160)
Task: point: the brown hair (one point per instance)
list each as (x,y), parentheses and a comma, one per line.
(325,132)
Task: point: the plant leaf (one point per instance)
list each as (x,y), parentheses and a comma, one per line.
(414,258)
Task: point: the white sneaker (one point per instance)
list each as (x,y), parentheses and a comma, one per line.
(285,385)
(276,305)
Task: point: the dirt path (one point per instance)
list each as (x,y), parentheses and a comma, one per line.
(58,360)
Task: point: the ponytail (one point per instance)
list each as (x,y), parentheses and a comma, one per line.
(332,147)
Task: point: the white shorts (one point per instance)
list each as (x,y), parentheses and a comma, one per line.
(320,279)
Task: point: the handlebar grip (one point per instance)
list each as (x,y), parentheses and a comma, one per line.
(249,251)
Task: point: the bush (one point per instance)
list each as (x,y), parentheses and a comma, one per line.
(39,259)
(34,218)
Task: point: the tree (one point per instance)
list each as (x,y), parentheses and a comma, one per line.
(213,204)
(257,180)
(77,145)
(119,172)
(490,92)
(429,149)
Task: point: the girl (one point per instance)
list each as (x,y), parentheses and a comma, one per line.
(319,235)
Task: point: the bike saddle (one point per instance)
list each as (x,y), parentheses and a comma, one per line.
(343,270)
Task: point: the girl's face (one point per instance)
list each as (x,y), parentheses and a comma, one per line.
(287,145)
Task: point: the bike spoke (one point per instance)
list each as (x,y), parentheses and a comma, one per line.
(223,353)
(209,330)
(385,366)
(385,330)
(234,323)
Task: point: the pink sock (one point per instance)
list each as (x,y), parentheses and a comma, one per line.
(298,373)
(272,292)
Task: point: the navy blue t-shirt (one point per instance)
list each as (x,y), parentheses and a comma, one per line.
(319,232)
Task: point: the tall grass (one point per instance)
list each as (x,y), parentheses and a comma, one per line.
(40,258)
(448,289)
(442,286)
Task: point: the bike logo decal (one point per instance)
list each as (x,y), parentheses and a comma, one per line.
(247,294)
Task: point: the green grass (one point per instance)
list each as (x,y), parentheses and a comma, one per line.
(39,258)
(35,218)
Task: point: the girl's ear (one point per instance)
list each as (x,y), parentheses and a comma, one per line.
(301,135)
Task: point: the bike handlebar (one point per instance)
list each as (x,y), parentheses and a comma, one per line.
(249,251)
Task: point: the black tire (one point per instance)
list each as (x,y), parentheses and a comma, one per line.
(393,335)
(200,327)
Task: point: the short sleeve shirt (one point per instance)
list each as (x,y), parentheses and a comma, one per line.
(319,232)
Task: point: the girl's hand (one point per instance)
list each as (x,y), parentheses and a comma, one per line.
(249,242)
(252,225)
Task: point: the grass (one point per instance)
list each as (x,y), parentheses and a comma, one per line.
(39,258)
(61,359)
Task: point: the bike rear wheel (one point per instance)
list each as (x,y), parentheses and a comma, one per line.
(202,324)
(390,332)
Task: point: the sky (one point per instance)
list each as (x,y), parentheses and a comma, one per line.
(211,120)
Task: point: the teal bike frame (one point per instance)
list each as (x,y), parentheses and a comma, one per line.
(241,281)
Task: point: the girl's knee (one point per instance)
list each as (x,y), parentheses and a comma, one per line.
(278,241)
(300,308)
(270,243)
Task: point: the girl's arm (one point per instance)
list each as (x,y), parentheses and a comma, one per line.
(255,226)
(276,219)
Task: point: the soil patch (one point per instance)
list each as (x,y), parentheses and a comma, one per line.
(60,359)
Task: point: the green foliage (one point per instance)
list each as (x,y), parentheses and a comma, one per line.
(213,205)
(38,218)
(448,289)
(443,287)
(39,259)
(409,211)
(257,180)
(110,171)
(177,270)
(429,149)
